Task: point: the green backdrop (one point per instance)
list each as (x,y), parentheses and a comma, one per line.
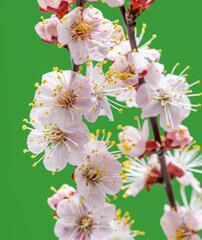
(24,58)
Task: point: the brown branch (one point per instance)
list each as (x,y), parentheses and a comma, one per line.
(129,29)
(75,67)
(154,123)
(79,3)
(161,156)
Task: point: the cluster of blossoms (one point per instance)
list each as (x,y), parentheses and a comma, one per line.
(135,78)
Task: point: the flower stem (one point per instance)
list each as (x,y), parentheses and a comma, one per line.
(154,122)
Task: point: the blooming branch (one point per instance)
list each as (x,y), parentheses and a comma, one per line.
(135,78)
(130,25)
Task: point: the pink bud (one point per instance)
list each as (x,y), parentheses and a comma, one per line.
(47,30)
(63,193)
(180,138)
(140,5)
(59,7)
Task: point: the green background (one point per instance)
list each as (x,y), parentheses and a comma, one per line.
(24,58)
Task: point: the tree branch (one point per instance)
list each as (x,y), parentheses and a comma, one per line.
(161,156)
(75,67)
(79,3)
(129,29)
(154,123)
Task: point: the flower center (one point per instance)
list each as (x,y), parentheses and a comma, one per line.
(183,233)
(65,99)
(81,30)
(182,132)
(92,175)
(164,96)
(124,75)
(85,223)
(126,147)
(55,135)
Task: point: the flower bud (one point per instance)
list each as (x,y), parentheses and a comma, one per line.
(63,193)
(138,6)
(59,7)
(180,138)
(47,30)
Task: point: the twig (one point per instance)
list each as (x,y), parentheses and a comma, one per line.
(154,123)
(79,3)
(75,67)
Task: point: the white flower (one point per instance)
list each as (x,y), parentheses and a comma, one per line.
(78,222)
(123,48)
(180,224)
(133,140)
(103,87)
(139,174)
(56,146)
(87,34)
(122,227)
(166,95)
(195,204)
(63,98)
(100,173)
(188,161)
(186,221)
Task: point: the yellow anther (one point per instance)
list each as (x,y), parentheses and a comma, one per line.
(144,25)
(119,126)
(36,85)
(109,134)
(125,195)
(25,150)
